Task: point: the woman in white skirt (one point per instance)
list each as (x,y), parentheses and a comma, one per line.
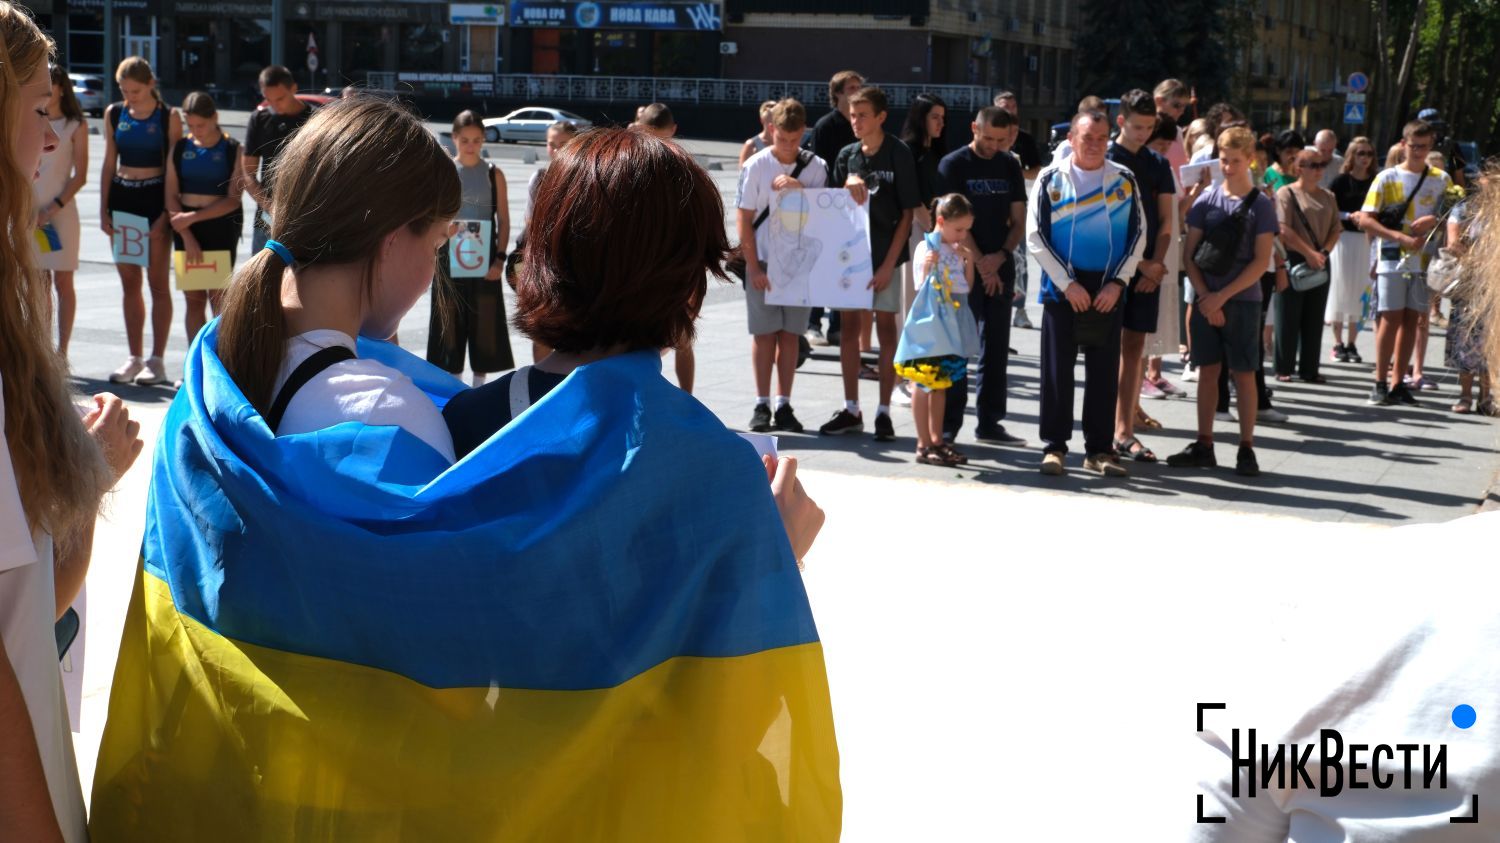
(61,175)
(1349,265)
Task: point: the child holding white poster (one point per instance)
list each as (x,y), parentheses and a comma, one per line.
(940,334)
(468,311)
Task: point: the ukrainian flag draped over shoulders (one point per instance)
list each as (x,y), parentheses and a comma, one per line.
(590,629)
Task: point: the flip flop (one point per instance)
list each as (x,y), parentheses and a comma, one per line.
(1133,449)
(1462,407)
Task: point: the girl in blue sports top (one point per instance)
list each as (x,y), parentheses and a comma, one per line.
(203,198)
(139,132)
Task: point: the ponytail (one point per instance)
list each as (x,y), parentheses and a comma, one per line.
(252,330)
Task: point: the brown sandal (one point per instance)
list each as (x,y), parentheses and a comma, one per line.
(952,454)
(934,455)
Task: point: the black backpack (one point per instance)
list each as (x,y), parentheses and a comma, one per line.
(1220,246)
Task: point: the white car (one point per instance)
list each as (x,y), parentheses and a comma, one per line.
(529,124)
(89,89)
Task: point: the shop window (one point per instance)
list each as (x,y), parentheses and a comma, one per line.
(250,48)
(615,54)
(677,54)
(421,47)
(364,50)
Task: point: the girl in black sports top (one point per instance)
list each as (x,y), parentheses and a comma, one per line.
(139,133)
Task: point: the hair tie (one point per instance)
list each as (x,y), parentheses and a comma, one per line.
(281,252)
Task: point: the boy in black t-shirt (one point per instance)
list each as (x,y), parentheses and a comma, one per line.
(268,131)
(878,169)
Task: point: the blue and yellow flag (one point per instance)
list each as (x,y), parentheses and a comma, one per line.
(590,629)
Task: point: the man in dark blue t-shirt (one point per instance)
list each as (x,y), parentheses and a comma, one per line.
(1158,192)
(992,181)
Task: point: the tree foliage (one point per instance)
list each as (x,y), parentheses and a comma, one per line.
(1126,44)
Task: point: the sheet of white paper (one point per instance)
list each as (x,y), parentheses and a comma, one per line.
(765,445)
(469,249)
(818,247)
(1191,173)
(132,240)
(72,665)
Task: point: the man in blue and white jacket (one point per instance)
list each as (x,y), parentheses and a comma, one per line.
(1087,230)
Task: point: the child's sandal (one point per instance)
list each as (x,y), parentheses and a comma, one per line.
(952,454)
(926,455)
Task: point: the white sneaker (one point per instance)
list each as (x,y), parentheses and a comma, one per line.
(1190,374)
(127,371)
(1225,416)
(1272,415)
(902,396)
(1021,320)
(155,372)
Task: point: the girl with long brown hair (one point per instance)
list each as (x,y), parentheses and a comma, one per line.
(139,134)
(53,470)
(203,198)
(351,250)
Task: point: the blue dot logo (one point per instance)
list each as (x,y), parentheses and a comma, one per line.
(1464,716)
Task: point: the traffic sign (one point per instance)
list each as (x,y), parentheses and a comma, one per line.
(1358,83)
(1354,98)
(1354,112)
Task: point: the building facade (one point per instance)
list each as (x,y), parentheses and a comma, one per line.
(1300,59)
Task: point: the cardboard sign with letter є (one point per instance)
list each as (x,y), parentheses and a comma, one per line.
(469,249)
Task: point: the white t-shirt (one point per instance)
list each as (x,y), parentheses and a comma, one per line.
(1388,671)
(755,193)
(357,390)
(28,606)
(1389,190)
(948,257)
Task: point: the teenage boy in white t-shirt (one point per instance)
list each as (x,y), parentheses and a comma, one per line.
(774,329)
(1415,188)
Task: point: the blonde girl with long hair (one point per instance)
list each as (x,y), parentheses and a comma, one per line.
(1349,272)
(139,134)
(55,465)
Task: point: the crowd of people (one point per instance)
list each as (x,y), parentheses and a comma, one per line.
(1156,233)
(1147,228)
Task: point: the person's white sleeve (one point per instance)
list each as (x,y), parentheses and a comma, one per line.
(1037,246)
(404,405)
(750,188)
(16,547)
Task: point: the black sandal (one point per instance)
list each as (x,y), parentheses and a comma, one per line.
(927,455)
(1133,449)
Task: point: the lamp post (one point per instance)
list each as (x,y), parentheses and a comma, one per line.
(278,31)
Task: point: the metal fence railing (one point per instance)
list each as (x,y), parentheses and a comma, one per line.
(642,89)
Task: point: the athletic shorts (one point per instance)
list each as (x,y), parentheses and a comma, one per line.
(220,234)
(772,318)
(1141,309)
(889,299)
(1401,291)
(142,197)
(1237,343)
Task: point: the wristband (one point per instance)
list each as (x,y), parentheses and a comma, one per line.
(58,201)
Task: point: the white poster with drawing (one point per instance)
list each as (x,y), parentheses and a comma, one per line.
(819,250)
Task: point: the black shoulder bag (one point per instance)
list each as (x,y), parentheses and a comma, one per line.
(1394,217)
(735,263)
(1220,246)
